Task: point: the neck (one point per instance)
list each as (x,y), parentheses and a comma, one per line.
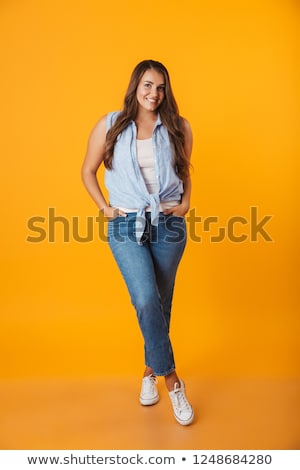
(144,115)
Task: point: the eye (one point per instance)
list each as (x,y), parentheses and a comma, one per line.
(147,85)
(161,88)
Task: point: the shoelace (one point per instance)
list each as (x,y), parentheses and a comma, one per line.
(180,399)
(149,384)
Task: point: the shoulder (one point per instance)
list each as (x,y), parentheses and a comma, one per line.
(186,127)
(111,119)
(185,124)
(104,124)
(99,129)
(101,123)
(107,120)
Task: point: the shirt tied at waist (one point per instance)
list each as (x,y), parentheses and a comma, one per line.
(141,216)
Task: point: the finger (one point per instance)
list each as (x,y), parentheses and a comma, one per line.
(122,213)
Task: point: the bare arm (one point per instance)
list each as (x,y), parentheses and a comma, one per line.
(93,159)
(184,206)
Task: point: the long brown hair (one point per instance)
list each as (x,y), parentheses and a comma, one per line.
(168,111)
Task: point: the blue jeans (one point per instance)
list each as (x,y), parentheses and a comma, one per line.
(149,271)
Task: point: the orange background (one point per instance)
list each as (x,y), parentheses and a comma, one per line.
(233,65)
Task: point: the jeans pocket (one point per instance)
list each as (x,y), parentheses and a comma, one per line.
(114,218)
(178,217)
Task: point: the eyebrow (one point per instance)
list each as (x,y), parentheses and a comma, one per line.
(148,81)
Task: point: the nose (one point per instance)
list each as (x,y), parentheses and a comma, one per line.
(154,92)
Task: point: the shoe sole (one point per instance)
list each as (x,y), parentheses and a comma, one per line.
(149,402)
(186,422)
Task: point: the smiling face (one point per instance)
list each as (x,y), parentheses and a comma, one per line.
(150,92)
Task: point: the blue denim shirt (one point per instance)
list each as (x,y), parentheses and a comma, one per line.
(125,183)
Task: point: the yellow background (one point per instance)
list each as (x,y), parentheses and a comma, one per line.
(233,65)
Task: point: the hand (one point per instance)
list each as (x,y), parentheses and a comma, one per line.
(179,211)
(112,212)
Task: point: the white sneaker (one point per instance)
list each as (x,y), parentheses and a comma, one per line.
(149,394)
(183,411)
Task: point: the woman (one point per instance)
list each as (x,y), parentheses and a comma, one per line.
(146,149)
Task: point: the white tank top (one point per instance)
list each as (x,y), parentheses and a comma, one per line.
(144,152)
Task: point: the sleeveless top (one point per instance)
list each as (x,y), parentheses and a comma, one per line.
(125,183)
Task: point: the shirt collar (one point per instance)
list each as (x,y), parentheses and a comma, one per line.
(158,121)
